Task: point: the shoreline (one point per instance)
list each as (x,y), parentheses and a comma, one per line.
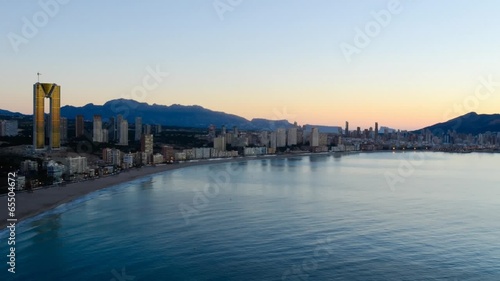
(29,205)
(41,200)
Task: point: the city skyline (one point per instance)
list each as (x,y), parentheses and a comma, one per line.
(280,60)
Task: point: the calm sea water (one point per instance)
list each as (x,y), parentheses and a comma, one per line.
(379,216)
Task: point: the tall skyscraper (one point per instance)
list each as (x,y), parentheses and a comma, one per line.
(111,129)
(64,130)
(147,144)
(376,130)
(79,126)
(291,136)
(147,129)
(346,133)
(272,140)
(138,128)
(223,131)
(123,132)
(220,143)
(119,120)
(147,147)
(314,137)
(280,137)
(97,129)
(53,93)
(264,138)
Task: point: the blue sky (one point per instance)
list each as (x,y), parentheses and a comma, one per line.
(271,59)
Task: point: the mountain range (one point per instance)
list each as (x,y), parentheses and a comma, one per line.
(195,116)
(470,123)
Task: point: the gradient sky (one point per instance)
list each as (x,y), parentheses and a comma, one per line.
(271,59)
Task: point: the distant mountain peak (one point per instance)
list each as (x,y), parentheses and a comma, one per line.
(469,123)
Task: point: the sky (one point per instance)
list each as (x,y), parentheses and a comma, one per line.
(404,64)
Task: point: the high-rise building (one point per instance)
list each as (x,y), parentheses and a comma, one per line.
(123,140)
(272,140)
(220,143)
(300,135)
(111,129)
(280,137)
(119,120)
(358,132)
(376,130)
(292,136)
(106,155)
(235,130)
(75,165)
(79,126)
(223,131)
(346,133)
(264,138)
(97,129)
(53,93)
(105,136)
(168,153)
(147,129)
(147,143)
(314,137)
(116,155)
(138,128)
(158,129)
(64,130)
(147,146)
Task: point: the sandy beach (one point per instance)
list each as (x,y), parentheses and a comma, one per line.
(43,199)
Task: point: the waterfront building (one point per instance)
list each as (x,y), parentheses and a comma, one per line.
(272,140)
(158,159)
(76,165)
(280,137)
(314,138)
(128,161)
(53,93)
(220,143)
(168,153)
(107,155)
(291,137)
(147,147)
(116,157)
(254,151)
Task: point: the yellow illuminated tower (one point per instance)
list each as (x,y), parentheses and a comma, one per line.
(53,93)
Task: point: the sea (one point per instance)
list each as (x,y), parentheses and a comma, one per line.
(361,216)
